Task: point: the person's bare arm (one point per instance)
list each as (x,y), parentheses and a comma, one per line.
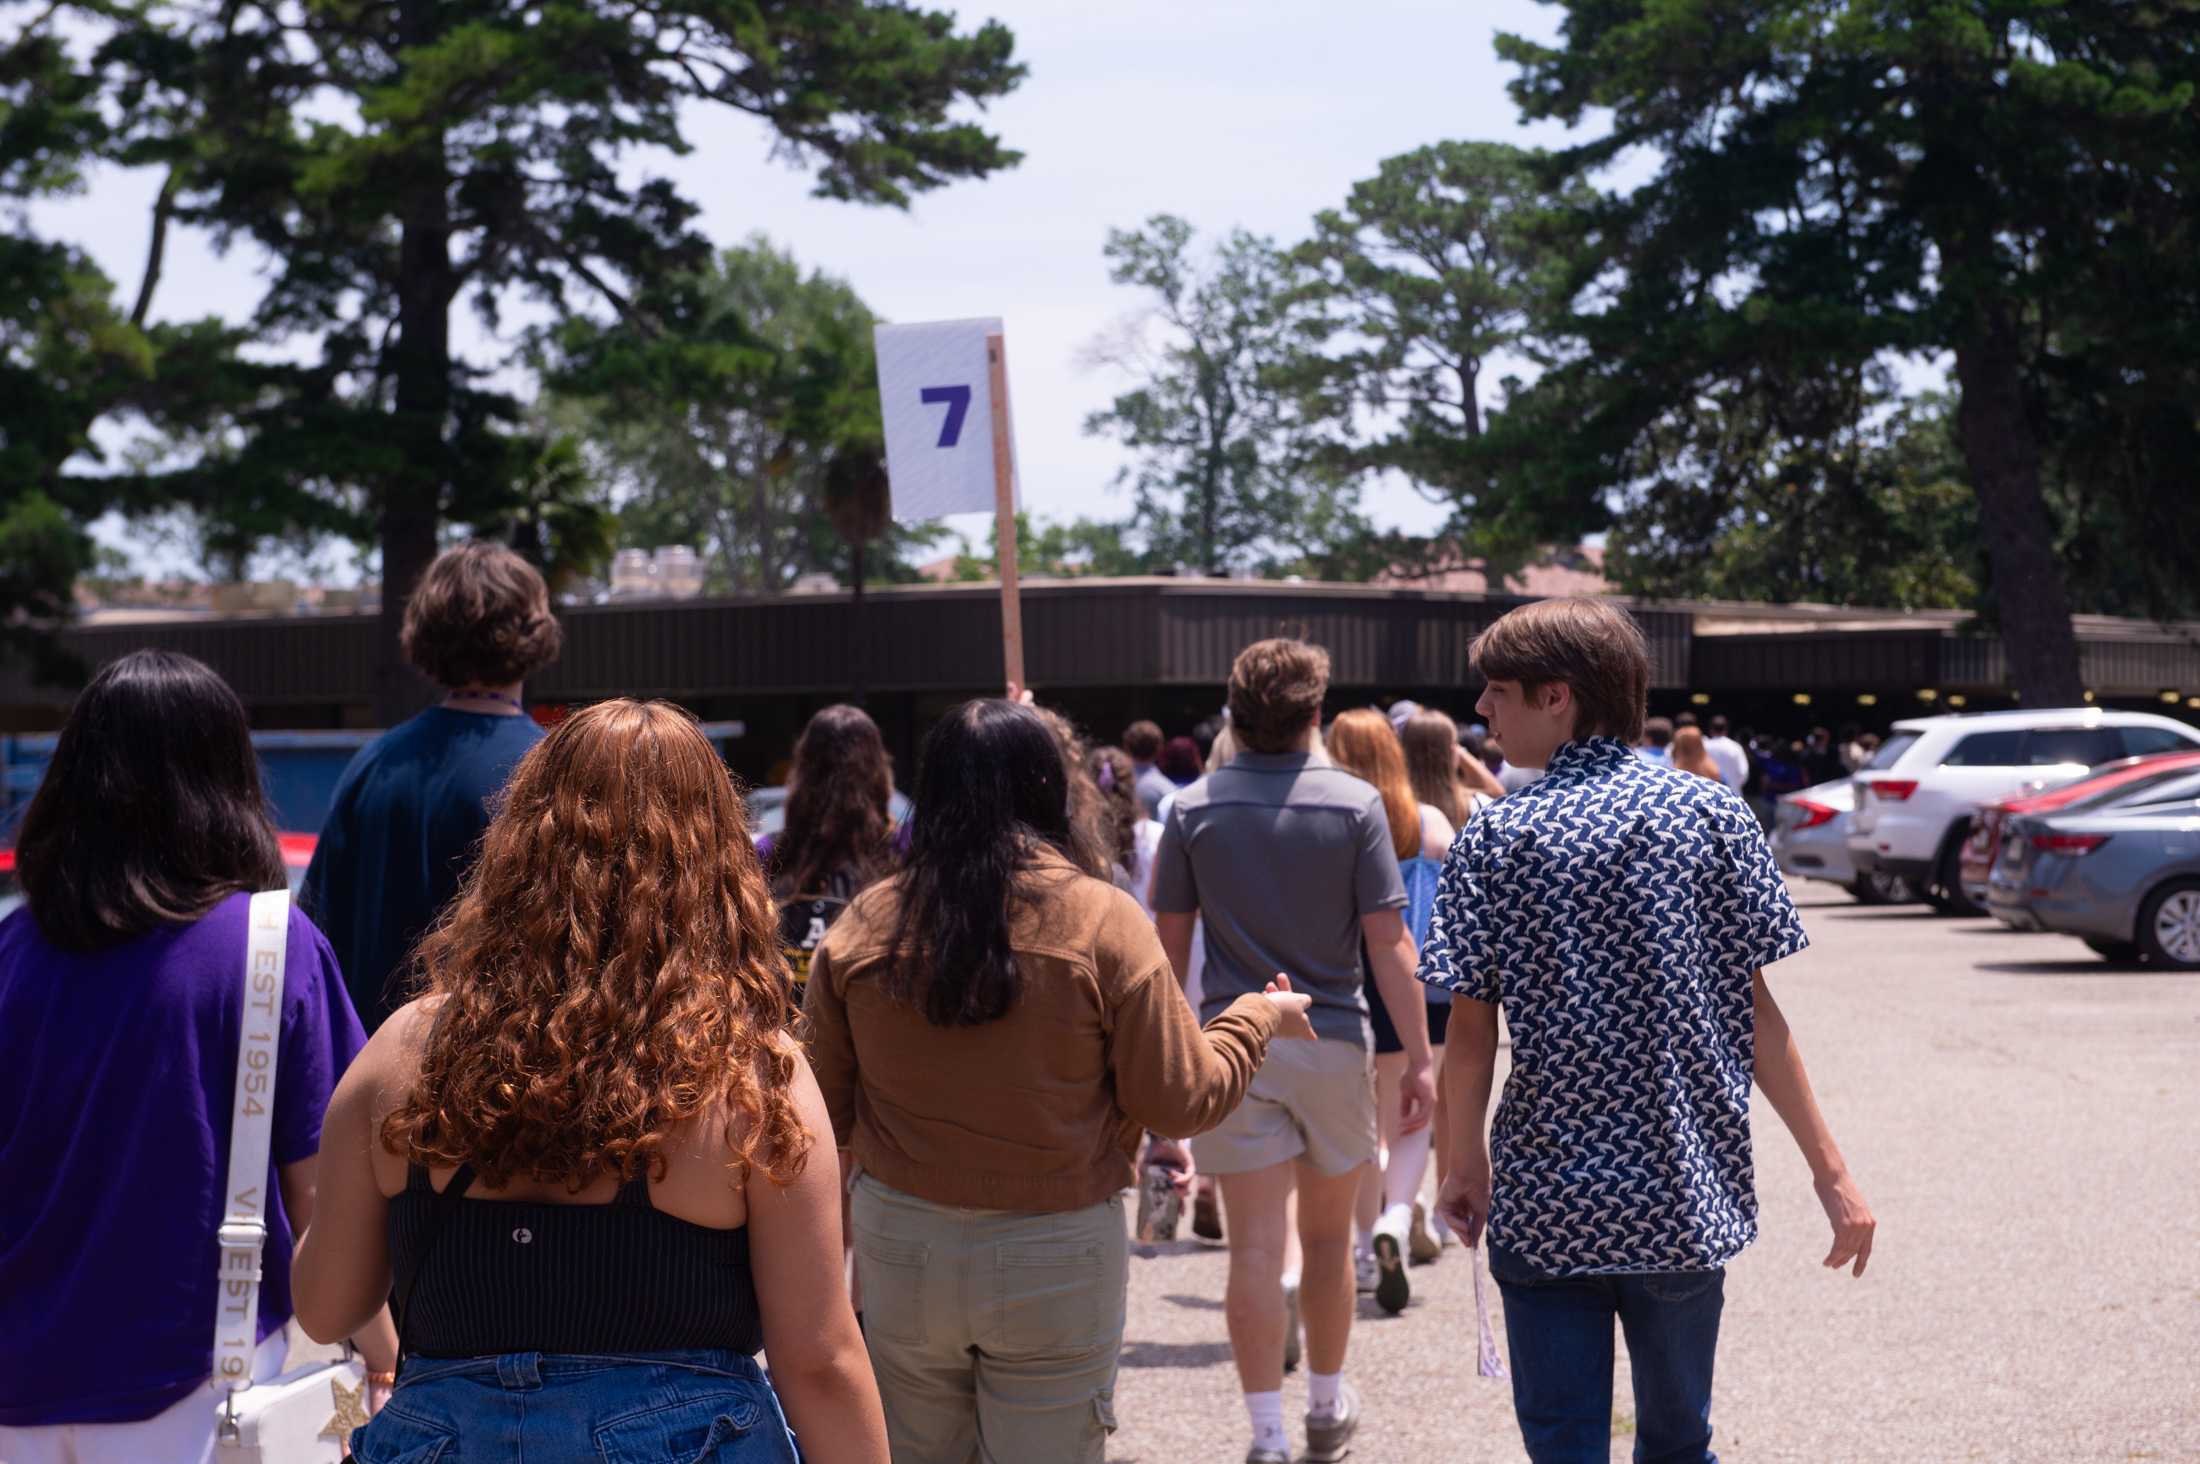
(1176,942)
(1787,1088)
(1390,951)
(334,1286)
(819,1366)
(1470,1072)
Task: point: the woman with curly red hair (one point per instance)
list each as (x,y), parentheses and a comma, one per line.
(585,1160)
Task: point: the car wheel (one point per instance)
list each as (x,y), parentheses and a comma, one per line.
(1947,893)
(1891,889)
(2115,952)
(2169,926)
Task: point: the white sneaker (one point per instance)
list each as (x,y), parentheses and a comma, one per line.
(1392,1289)
(1364,1271)
(1424,1241)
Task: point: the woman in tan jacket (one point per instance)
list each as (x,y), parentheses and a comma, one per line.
(992,1029)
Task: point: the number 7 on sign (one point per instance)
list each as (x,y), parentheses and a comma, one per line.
(958,407)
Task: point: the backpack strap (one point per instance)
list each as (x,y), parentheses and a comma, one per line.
(245,1201)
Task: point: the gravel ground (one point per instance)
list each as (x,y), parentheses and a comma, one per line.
(2022,1118)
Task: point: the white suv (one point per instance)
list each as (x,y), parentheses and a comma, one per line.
(1915,800)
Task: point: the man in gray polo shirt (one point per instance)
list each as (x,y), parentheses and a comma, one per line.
(1289,863)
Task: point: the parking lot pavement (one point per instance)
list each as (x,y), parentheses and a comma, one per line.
(2023,1119)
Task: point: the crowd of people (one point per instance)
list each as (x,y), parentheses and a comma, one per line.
(587,1098)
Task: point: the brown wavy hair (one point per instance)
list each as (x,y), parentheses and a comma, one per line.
(1362,743)
(480,616)
(610,969)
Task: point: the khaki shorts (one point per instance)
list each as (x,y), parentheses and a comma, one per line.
(1310,1100)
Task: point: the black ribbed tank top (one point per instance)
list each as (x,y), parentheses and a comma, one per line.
(477,1277)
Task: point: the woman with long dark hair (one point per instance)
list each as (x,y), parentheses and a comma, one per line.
(991,1028)
(839,833)
(587,1157)
(122,1010)
(1131,837)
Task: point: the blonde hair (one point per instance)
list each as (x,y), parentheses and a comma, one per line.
(1362,743)
(1691,756)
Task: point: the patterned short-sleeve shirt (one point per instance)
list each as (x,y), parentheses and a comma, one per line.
(1618,910)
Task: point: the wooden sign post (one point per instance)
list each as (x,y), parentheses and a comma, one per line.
(938,459)
(1004,510)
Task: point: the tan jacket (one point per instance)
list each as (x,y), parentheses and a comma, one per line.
(1040,1110)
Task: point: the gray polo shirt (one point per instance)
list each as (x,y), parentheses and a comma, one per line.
(1280,856)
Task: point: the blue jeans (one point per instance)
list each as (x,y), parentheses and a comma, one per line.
(701,1407)
(1560,1333)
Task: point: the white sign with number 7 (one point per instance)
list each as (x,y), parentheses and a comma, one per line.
(933,398)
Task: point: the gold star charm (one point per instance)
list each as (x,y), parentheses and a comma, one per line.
(351,1411)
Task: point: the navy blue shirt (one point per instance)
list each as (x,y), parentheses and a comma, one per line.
(1619,911)
(403,830)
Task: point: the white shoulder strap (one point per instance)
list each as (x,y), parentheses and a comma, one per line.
(251,1117)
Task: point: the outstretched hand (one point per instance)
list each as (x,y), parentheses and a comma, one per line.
(1296,1023)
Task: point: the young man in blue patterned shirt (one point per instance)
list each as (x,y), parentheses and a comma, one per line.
(1622,914)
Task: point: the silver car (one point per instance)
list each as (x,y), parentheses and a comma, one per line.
(1810,839)
(2126,880)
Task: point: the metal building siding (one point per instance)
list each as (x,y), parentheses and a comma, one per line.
(313,659)
(1861,660)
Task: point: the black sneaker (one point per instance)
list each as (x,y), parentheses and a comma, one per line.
(1392,1289)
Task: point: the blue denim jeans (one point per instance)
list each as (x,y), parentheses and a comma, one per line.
(701,1407)
(1560,1333)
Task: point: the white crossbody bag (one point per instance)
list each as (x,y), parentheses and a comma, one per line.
(306,1415)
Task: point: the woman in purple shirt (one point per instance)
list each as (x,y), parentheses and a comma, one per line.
(121,1000)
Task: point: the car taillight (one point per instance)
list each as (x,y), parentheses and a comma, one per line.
(2072,844)
(1893,790)
(1813,813)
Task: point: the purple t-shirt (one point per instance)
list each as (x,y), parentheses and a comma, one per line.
(116,1072)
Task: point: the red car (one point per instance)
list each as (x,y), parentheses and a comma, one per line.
(2125,775)
(297,854)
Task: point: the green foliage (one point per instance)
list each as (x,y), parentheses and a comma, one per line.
(1842,183)
(1434,269)
(1082,547)
(395,159)
(1878,514)
(1224,472)
(717,425)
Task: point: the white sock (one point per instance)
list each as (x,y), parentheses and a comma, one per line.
(1402,1173)
(1267,1414)
(1290,1280)
(1321,1391)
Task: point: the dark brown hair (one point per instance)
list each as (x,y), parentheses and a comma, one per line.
(480,616)
(1362,743)
(1586,643)
(839,809)
(1088,816)
(151,812)
(1142,740)
(610,970)
(1276,691)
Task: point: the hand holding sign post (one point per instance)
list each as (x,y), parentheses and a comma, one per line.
(943,397)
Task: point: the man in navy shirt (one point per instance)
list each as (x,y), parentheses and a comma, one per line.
(1622,913)
(412,806)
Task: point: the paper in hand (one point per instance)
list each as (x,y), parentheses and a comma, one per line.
(1488,1363)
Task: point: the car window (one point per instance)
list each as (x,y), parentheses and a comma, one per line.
(2145,741)
(1987,750)
(1890,752)
(2162,788)
(2087,745)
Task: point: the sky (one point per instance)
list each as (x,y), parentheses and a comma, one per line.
(1225,112)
